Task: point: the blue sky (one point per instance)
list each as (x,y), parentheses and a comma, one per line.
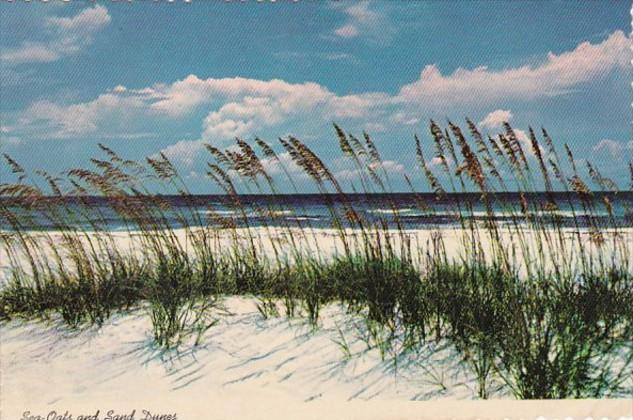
(143,77)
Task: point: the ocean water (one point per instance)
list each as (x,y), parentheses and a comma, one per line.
(405,209)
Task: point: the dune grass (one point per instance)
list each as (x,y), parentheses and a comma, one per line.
(542,307)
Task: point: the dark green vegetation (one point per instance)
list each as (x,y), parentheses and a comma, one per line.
(546,309)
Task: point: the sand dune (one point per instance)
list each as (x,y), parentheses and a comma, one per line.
(247,367)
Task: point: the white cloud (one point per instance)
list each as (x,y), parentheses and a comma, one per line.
(86,22)
(185,152)
(66,36)
(7,137)
(436,162)
(347,31)
(347,175)
(402,118)
(30,52)
(185,95)
(496,118)
(248,105)
(357,106)
(526,143)
(557,75)
(276,167)
(373,127)
(364,22)
(236,119)
(51,120)
(617,150)
(390,166)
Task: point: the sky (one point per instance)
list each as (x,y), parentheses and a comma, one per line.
(145,77)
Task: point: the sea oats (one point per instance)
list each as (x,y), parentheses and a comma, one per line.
(516,145)
(471,162)
(344,144)
(15,167)
(434,183)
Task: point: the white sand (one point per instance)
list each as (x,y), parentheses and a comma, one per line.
(249,367)
(246,367)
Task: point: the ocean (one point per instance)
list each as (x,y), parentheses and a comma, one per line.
(409,210)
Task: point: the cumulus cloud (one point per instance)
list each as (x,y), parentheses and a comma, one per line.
(526,143)
(85,22)
(52,120)
(185,95)
(66,36)
(496,118)
(362,21)
(402,118)
(555,76)
(276,166)
(7,137)
(239,118)
(247,105)
(494,121)
(184,152)
(617,150)
(357,106)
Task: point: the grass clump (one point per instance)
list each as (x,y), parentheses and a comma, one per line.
(544,339)
(468,304)
(389,288)
(563,343)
